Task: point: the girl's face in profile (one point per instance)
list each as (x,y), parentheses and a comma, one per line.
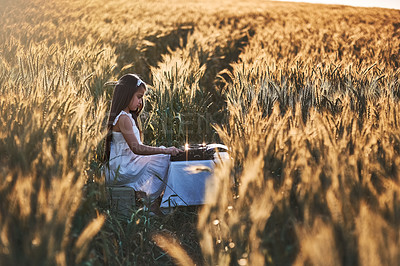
(137,99)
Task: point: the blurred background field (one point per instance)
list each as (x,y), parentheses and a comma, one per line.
(306,96)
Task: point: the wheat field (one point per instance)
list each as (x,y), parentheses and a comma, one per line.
(305,96)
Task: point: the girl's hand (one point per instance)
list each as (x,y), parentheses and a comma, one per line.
(173,151)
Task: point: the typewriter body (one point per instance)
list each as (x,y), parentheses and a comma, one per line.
(195,152)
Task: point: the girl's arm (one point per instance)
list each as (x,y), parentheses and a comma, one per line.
(125,125)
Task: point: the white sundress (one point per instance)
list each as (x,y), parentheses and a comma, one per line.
(147,173)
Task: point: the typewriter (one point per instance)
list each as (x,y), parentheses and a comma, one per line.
(195,152)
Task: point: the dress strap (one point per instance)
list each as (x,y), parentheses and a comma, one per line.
(121,113)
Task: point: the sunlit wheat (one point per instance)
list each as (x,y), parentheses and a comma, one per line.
(306,97)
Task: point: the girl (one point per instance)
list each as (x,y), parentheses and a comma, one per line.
(130,162)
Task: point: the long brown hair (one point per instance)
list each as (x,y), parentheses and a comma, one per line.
(124,90)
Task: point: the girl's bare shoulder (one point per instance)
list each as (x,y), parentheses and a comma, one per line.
(124,122)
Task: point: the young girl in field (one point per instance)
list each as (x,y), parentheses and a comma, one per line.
(131,163)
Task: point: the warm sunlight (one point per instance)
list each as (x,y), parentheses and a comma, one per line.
(199,132)
(395,4)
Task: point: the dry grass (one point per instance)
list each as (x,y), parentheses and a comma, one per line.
(306,97)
